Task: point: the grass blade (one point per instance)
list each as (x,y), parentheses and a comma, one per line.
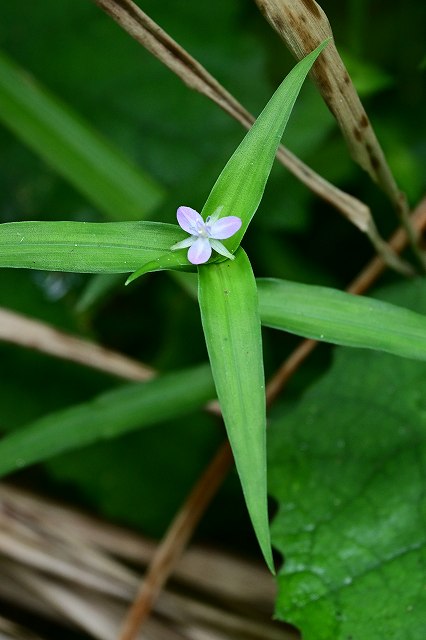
(85,247)
(111,414)
(69,145)
(240,186)
(229,313)
(341,318)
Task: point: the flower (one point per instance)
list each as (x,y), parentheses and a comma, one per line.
(205,236)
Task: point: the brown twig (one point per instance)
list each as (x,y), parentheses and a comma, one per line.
(181,529)
(368,276)
(302,24)
(143,29)
(38,335)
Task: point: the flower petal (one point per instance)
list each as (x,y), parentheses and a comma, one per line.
(220,248)
(225,227)
(188,219)
(184,243)
(200,251)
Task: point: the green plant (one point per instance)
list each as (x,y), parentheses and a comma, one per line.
(304,439)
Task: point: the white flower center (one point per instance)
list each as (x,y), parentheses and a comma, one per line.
(202,230)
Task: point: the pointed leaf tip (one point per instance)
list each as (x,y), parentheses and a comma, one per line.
(240,186)
(229,312)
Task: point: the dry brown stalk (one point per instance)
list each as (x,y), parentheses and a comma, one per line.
(181,529)
(30,517)
(34,334)
(11,631)
(62,538)
(143,29)
(302,24)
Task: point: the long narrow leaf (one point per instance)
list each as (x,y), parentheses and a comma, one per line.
(229,312)
(341,318)
(112,414)
(239,188)
(86,247)
(73,148)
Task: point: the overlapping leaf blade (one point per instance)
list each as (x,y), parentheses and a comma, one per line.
(229,313)
(341,318)
(111,414)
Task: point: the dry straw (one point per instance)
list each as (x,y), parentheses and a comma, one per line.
(70,570)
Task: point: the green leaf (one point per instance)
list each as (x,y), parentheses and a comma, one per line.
(163,262)
(229,313)
(346,467)
(111,414)
(240,186)
(86,247)
(73,148)
(334,316)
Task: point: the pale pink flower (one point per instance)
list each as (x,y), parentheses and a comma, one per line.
(205,236)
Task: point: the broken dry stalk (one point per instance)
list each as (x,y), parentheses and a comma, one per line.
(302,24)
(38,335)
